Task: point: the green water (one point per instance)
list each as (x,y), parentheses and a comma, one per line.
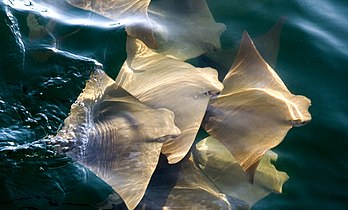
(39,85)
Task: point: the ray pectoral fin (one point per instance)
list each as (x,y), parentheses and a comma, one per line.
(255,109)
(267,176)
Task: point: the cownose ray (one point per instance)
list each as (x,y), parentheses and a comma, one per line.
(163,82)
(255,110)
(116,136)
(217,163)
(131,13)
(184,29)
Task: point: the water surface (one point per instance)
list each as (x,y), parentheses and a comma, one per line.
(43,82)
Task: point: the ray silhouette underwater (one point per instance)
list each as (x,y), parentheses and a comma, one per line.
(134,128)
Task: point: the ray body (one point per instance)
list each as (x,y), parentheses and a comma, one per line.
(255,110)
(117,137)
(184,30)
(217,163)
(163,82)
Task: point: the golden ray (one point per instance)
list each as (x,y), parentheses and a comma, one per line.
(131,13)
(184,29)
(117,137)
(214,159)
(163,82)
(255,109)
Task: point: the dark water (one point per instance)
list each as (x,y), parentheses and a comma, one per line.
(39,85)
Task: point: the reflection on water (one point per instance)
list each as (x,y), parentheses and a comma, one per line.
(50,49)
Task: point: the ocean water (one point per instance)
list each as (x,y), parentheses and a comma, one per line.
(39,84)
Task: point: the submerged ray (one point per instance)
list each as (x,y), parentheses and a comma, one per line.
(217,163)
(193,190)
(163,82)
(132,13)
(184,30)
(255,109)
(116,136)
